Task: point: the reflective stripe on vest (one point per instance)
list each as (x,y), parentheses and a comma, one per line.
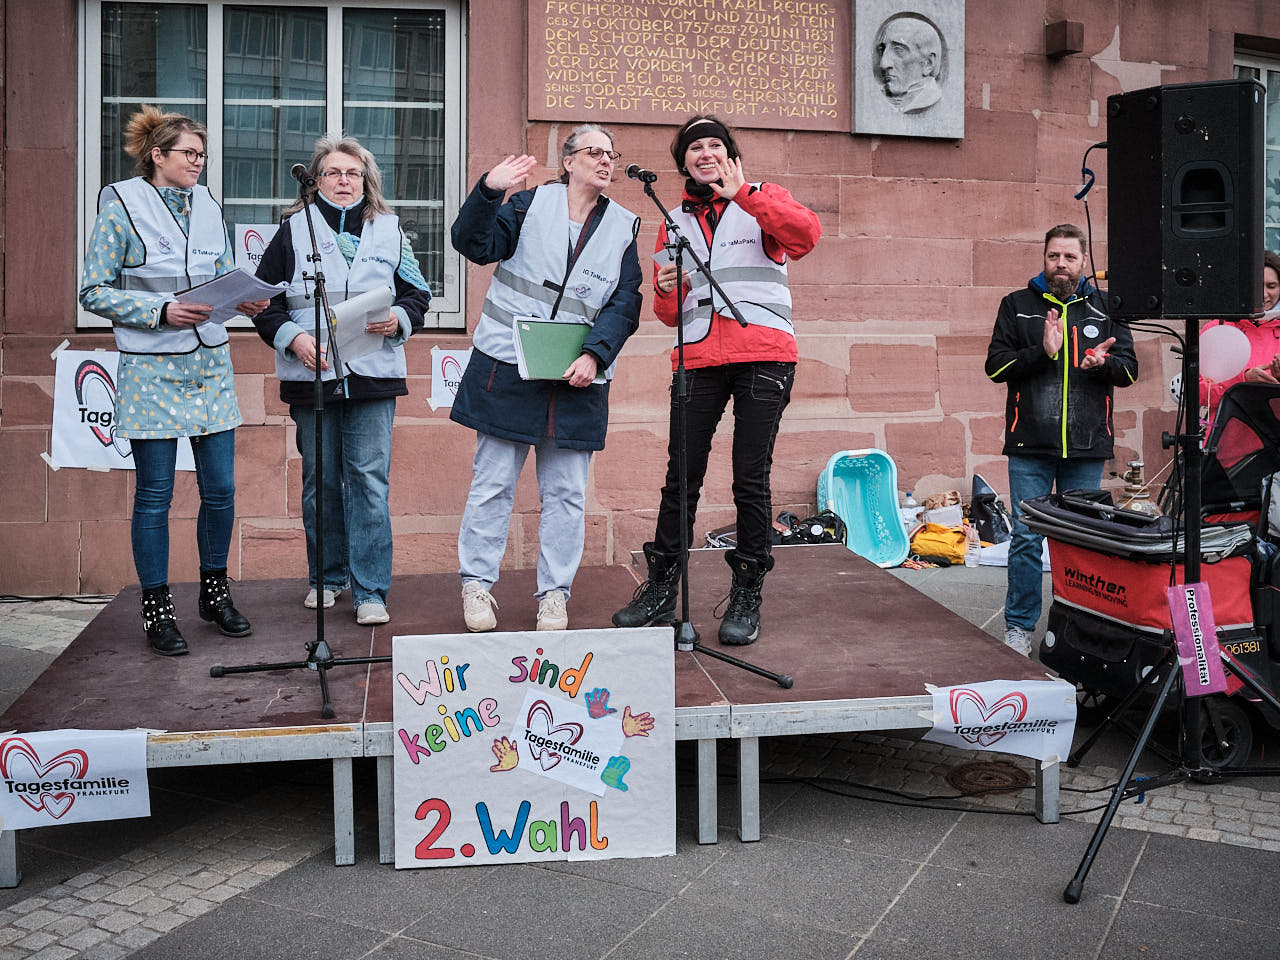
(173,261)
(527,283)
(756,284)
(376,261)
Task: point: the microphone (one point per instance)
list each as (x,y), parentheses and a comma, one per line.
(299,172)
(637,172)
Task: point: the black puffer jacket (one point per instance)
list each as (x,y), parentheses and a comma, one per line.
(1038,420)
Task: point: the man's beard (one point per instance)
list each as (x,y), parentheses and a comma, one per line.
(1063,287)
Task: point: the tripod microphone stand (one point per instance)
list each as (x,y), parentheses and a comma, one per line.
(1191,732)
(319,656)
(686,636)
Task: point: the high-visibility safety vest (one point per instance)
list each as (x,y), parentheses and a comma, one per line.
(754,283)
(537,280)
(376,261)
(173,262)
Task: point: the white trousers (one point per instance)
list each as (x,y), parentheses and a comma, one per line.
(562,489)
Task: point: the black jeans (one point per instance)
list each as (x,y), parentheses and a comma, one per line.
(760,393)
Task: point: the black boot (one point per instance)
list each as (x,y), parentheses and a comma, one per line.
(216,605)
(655,599)
(158,619)
(741,623)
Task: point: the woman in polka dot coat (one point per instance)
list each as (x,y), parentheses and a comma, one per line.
(155,234)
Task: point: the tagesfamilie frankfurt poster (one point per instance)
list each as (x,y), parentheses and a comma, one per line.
(520,747)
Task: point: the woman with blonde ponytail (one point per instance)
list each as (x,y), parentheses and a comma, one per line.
(158,233)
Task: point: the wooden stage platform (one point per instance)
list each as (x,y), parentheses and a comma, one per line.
(860,644)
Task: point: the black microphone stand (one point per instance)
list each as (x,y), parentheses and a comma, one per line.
(319,657)
(686,636)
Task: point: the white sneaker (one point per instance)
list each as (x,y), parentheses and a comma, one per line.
(371,612)
(329,597)
(478,607)
(552,613)
(1018,639)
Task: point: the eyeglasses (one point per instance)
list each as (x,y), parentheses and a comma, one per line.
(193,156)
(339,174)
(595,153)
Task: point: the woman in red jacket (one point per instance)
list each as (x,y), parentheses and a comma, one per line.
(746,233)
(1264,340)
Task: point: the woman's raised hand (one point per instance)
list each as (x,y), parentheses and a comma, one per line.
(731,178)
(511,171)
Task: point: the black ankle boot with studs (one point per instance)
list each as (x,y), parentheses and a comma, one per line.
(160,623)
(216,605)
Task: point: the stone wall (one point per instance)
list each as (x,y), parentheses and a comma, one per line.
(894,307)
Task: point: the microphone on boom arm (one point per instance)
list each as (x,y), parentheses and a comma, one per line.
(637,172)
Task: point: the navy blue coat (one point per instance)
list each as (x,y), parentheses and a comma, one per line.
(492,398)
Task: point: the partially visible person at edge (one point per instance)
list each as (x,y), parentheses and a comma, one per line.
(157,233)
(1264,340)
(1062,357)
(746,233)
(565,251)
(362,248)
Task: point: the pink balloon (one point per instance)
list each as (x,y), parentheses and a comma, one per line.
(1224,352)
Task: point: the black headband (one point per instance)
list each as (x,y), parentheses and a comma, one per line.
(696,131)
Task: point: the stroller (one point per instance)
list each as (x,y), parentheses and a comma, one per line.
(1109,623)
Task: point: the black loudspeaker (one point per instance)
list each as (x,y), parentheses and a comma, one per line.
(1184,201)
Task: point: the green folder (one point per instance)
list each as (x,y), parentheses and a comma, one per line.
(545,349)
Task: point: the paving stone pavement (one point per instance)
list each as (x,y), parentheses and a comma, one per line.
(207,851)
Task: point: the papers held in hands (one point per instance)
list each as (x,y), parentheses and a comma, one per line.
(228,291)
(545,349)
(352,316)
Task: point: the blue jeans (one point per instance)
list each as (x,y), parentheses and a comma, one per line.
(357,517)
(1031,477)
(760,392)
(154,462)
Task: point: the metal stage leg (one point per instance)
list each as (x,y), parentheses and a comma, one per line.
(749,789)
(1048,774)
(708,825)
(344,820)
(10,875)
(386,810)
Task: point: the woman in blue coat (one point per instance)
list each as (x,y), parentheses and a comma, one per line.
(566,252)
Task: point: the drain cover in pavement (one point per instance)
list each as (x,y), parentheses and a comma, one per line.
(989,776)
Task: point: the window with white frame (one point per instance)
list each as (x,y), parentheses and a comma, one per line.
(1267,72)
(268,79)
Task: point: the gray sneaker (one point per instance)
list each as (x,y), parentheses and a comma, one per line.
(313,598)
(478,607)
(1016,638)
(372,612)
(552,612)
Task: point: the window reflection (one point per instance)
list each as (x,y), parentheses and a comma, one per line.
(151,53)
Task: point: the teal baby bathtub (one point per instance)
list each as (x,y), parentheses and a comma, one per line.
(861,487)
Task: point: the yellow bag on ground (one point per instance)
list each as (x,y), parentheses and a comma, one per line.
(935,540)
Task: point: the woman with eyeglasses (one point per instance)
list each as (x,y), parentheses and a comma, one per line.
(565,252)
(156,234)
(746,233)
(362,248)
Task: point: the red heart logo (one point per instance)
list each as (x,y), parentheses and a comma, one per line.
(56,804)
(17,757)
(963,699)
(570,733)
(95,388)
(451,371)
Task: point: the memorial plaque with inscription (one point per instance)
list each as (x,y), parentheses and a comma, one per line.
(780,64)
